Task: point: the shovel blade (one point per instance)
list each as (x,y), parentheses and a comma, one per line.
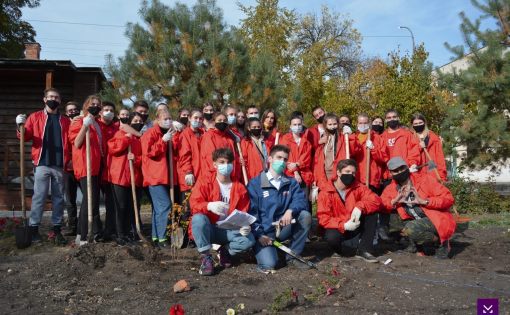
(432,165)
(23,236)
(177,238)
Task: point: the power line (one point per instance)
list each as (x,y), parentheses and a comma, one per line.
(79,49)
(80,42)
(59,52)
(76,23)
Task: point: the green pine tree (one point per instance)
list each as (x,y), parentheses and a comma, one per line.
(480,120)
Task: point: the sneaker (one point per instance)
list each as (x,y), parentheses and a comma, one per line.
(81,243)
(98,238)
(36,237)
(383,234)
(224,257)
(207,265)
(443,252)
(57,238)
(164,245)
(120,241)
(298,264)
(366,256)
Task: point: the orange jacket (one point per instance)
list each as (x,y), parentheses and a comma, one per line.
(402,143)
(318,170)
(378,159)
(301,154)
(34,130)
(189,156)
(438,210)
(208,189)
(214,139)
(108,132)
(332,212)
(118,164)
(252,157)
(79,154)
(435,149)
(155,157)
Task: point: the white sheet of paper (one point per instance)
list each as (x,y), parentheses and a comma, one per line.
(236,220)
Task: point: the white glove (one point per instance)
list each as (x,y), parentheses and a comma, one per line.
(314,193)
(356,214)
(177,125)
(413,168)
(21,119)
(167,137)
(189,179)
(369,144)
(351,226)
(347,130)
(218,207)
(87,121)
(245,230)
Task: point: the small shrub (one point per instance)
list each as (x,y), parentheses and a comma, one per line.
(477,198)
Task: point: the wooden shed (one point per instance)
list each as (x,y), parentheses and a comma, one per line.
(22,83)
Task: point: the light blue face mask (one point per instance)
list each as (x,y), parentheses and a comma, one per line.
(225,169)
(278,166)
(196,124)
(296,129)
(231,120)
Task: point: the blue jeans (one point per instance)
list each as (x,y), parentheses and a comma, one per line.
(206,234)
(267,257)
(161,202)
(44,176)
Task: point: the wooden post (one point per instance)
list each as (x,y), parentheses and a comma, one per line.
(49,79)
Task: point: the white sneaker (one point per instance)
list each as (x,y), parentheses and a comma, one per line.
(81,243)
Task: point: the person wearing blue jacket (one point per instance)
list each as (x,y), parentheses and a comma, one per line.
(276,200)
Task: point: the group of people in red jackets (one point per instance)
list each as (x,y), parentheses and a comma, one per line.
(370,184)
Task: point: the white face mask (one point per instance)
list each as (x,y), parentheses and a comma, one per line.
(363,128)
(108,115)
(254,115)
(296,129)
(166,124)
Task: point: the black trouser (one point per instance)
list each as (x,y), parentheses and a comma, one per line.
(96,219)
(384,218)
(366,232)
(124,211)
(71,190)
(109,225)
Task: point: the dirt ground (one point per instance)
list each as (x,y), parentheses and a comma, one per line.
(107,279)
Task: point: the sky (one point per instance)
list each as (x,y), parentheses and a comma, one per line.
(432,22)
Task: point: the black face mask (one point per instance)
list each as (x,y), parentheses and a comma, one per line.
(94,110)
(208,116)
(332,131)
(52,104)
(378,128)
(347,179)
(144,116)
(124,120)
(419,129)
(221,126)
(256,132)
(137,126)
(401,178)
(393,124)
(183,120)
(163,130)
(320,120)
(73,115)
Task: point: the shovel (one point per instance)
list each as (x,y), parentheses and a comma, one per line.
(289,251)
(22,233)
(135,201)
(89,185)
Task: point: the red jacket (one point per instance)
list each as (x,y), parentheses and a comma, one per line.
(402,143)
(332,212)
(79,154)
(301,154)
(108,131)
(438,209)
(378,160)
(208,189)
(318,169)
(252,157)
(313,135)
(189,156)
(118,164)
(435,149)
(154,158)
(34,130)
(214,139)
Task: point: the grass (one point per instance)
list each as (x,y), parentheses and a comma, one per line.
(487,220)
